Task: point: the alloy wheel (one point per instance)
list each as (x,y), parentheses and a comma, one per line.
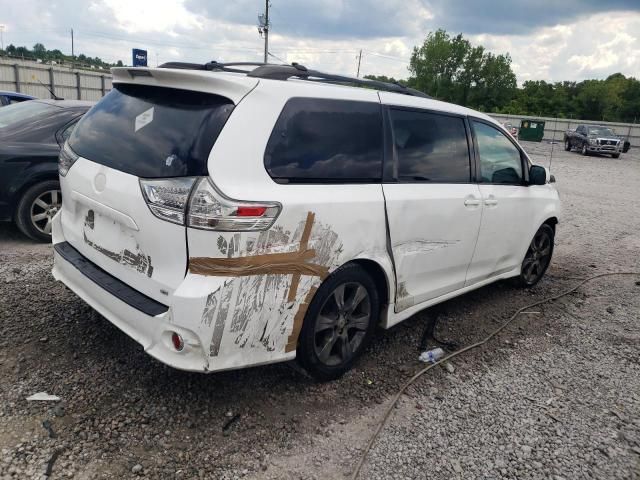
(342,324)
(44,208)
(538,257)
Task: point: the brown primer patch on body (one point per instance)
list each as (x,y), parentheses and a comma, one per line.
(271,263)
(292,342)
(293,263)
(304,244)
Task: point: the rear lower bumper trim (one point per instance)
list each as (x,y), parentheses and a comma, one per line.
(108,282)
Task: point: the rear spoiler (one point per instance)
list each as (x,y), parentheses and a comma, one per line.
(229,85)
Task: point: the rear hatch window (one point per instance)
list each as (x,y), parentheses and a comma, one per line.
(152,132)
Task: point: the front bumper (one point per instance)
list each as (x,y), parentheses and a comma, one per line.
(605,147)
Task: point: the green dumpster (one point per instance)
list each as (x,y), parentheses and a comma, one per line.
(531,130)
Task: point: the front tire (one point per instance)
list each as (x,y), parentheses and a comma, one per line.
(567,145)
(36,209)
(615,155)
(538,257)
(339,323)
(584,150)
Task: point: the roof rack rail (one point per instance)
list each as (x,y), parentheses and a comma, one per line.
(295,70)
(284,72)
(213,65)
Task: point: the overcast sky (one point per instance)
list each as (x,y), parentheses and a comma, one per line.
(548,39)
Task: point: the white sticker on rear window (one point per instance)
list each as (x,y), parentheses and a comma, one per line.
(145,118)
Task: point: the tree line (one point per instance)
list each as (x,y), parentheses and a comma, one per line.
(39,52)
(451,69)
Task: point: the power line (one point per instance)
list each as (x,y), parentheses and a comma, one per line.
(276,57)
(389,57)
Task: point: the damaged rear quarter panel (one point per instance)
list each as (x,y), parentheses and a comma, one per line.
(257,292)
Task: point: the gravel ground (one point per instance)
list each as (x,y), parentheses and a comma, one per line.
(556,395)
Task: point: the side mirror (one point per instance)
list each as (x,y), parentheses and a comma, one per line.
(537,175)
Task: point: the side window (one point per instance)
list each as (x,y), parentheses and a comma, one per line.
(500,160)
(316,140)
(430,147)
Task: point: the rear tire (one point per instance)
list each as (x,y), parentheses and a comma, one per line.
(538,257)
(339,323)
(36,209)
(567,145)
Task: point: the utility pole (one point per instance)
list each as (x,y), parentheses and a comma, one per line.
(359,60)
(72,51)
(266,30)
(1,37)
(263,28)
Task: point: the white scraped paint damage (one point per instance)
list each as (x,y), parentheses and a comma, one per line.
(253,312)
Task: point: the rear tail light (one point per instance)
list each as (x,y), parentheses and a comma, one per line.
(197,203)
(210,209)
(66,159)
(168,198)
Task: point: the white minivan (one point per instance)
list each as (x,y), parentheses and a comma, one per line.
(229,215)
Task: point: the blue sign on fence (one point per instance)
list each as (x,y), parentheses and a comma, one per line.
(139,57)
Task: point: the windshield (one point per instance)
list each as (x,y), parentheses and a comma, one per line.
(19,112)
(601,131)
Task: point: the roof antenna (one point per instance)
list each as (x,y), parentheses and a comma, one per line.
(53,95)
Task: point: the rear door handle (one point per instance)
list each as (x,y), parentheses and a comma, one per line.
(471,202)
(490,201)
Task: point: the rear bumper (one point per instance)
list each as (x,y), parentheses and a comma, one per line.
(152,332)
(107,282)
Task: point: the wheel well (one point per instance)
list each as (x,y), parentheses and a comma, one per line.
(379,278)
(552,222)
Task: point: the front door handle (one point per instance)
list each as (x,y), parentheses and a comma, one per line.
(491,201)
(471,202)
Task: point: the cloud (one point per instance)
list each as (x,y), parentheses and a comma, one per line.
(325,18)
(575,51)
(519,17)
(567,40)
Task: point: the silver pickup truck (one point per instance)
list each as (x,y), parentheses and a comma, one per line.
(589,139)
